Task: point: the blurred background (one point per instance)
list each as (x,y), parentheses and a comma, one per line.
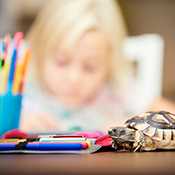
(141,17)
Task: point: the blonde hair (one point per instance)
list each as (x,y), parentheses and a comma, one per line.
(72,18)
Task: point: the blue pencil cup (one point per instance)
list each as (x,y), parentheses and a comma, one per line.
(10,109)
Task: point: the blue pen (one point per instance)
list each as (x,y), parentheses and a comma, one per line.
(56,146)
(12,69)
(7,146)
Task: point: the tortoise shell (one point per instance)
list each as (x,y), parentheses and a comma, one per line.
(157,125)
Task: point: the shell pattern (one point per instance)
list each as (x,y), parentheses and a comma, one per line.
(158,129)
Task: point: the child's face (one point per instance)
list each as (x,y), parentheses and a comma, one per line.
(76,75)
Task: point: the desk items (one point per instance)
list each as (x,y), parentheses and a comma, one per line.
(16,141)
(150,131)
(14,57)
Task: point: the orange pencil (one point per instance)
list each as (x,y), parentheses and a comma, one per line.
(19,67)
(20,73)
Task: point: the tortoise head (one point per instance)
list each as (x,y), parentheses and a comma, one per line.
(123,138)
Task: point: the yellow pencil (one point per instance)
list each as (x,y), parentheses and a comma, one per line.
(5,72)
(18,74)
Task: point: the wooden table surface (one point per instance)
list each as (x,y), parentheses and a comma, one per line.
(97,163)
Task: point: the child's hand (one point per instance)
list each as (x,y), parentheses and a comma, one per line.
(38,123)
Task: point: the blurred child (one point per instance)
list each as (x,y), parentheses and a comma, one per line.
(77,67)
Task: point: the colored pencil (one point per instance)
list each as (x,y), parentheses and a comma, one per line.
(56,146)
(14,58)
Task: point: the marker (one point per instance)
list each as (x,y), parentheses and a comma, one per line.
(1,54)
(74,139)
(59,136)
(12,144)
(17,39)
(10,140)
(7,44)
(22,72)
(16,43)
(38,146)
(7,146)
(67,136)
(1,63)
(6,69)
(12,69)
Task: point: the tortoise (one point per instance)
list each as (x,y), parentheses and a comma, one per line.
(146,132)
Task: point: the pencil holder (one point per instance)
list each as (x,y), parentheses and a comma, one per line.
(10,109)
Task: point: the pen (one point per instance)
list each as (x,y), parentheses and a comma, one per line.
(38,146)
(7,146)
(10,140)
(7,44)
(67,136)
(14,58)
(12,69)
(12,144)
(1,55)
(62,139)
(23,70)
(1,61)
(6,68)
(59,136)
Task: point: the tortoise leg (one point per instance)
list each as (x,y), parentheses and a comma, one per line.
(139,147)
(139,142)
(149,144)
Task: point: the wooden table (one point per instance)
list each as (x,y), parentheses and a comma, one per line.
(97,163)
